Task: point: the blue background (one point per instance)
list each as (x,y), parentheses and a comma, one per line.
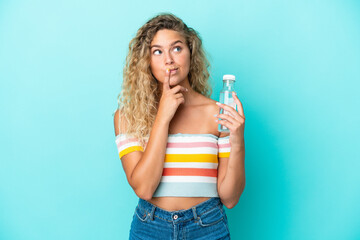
(297,65)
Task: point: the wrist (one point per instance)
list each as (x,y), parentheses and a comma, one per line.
(240,146)
(161,122)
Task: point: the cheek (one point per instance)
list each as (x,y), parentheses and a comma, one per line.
(186,62)
(155,69)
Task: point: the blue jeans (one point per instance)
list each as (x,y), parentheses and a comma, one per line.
(206,220)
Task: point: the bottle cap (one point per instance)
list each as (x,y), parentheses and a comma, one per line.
(229,77)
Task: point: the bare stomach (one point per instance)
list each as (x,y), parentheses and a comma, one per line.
(176,203)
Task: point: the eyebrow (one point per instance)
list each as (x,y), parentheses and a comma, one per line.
(178,41)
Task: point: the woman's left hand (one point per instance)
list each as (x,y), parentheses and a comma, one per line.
(234,122)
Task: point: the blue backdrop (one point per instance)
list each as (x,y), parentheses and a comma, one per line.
(297,65)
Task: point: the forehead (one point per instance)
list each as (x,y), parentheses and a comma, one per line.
(165,37)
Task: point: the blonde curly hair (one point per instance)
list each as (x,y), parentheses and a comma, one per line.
(140,95)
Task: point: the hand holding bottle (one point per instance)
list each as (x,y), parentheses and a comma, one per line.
(234,122)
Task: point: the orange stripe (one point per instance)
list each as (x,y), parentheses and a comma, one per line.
(210,158)
(130,149)
(205,172)
(224,154)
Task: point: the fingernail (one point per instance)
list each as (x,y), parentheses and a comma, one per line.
(215,115)
(218,103)
(234,93)
(186,89)
(216,120)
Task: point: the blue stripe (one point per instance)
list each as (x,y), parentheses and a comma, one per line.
(193,135)
(183,134)
(225,137)
(170,189)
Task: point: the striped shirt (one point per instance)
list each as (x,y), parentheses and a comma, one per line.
(191,163)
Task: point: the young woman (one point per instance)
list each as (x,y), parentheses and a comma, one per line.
(182,169)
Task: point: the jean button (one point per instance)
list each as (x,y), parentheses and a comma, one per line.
(175,217)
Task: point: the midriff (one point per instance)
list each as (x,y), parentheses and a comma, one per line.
(176,203)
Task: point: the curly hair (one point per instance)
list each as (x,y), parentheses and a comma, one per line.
(140,95)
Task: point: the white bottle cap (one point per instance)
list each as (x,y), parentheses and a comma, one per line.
(229,77)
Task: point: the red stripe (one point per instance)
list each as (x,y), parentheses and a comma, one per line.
(206,172)
(128,140)
(224,145)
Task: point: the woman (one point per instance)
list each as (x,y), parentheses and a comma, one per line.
(182,169)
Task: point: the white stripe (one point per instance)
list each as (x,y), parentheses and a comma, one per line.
(223,141)
(197,150)
(190,165)
(122,137)
(118,141)
(127,145)
(192,139)
(221,150)
(188,179)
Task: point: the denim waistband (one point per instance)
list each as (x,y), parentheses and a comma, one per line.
(180,215)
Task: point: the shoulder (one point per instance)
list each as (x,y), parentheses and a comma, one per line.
(210,108)
(119,123)
(116,121)
(206,102)
(207,106)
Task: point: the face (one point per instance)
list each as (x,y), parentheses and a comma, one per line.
(168,49)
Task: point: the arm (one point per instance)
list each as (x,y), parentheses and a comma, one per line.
(144,169)
(231,176)
(231,170)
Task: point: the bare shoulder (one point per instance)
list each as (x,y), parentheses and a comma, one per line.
(207,105)
(119,123)
(210,108)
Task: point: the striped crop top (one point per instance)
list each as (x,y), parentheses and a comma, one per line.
(191,163)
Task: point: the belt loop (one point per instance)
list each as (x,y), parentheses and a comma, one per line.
(152,213)
(194,212)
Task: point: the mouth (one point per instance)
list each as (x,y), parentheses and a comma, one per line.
(173,70)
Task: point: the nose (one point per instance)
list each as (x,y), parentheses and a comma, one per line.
(168,58)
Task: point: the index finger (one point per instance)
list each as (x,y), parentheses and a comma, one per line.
(166,84)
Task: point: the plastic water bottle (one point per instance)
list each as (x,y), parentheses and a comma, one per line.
(227,98)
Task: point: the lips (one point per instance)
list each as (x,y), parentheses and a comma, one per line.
(173,70)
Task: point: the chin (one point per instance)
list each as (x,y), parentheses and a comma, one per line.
(176,80)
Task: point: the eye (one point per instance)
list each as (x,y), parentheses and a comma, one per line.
(157,52)
(177,49)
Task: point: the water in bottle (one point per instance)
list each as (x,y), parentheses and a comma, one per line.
(227,98)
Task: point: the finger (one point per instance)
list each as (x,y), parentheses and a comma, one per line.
(226,117)
(231,110)
(181,100)
(232,120)
(178,88)
(225,123)
(236,118)
(179,95)
(238,104)
(166,84)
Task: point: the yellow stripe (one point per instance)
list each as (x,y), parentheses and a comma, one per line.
(224,154)
(130,149)
(209,158)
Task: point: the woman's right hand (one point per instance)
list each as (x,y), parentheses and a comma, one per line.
(170,99)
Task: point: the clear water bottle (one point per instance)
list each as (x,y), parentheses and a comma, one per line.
(227,98)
